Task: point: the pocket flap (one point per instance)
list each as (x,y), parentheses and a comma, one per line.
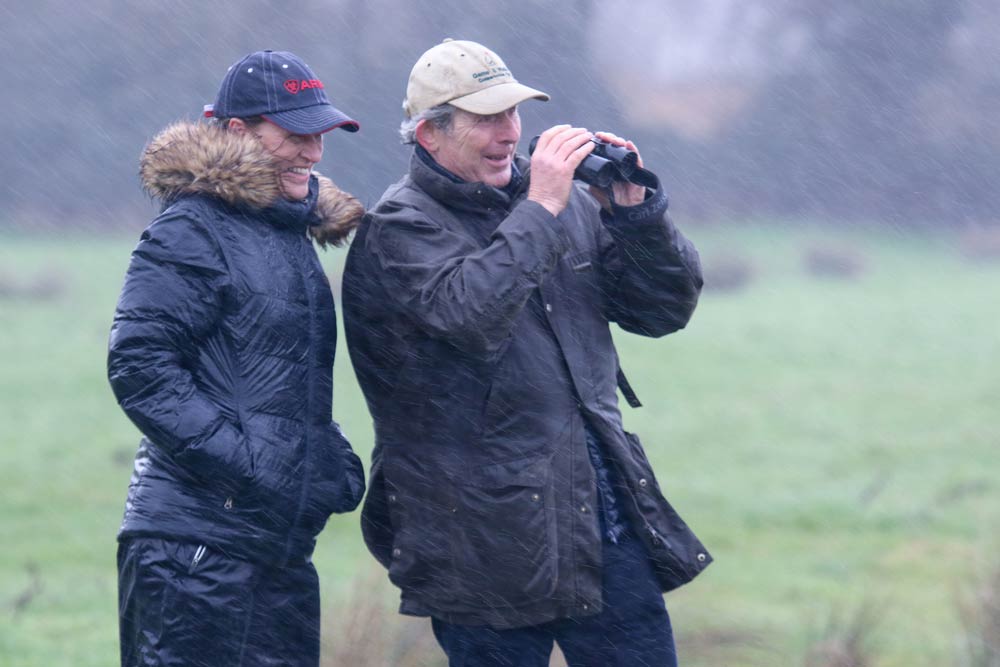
(533,471)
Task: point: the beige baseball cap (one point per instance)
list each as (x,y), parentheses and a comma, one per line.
(467,75)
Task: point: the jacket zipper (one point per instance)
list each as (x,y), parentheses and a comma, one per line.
(199,553)
(310,381)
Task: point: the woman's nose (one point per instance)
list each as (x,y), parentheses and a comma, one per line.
(312,147)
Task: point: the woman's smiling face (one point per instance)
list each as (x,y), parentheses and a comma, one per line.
(295,154)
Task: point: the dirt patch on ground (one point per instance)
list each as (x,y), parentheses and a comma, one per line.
(40,286)
(834,261)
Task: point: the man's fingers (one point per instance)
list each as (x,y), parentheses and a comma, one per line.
(545,138)
(612,138)
(580,153)
(562,140)
(571,141)
(559,151)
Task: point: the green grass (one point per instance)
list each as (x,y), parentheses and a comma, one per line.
(834,442)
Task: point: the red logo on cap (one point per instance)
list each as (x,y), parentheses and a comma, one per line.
(295,85)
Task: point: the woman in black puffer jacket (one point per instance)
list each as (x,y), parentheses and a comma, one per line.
(221,353)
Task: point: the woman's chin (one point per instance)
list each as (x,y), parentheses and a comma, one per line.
(293,187)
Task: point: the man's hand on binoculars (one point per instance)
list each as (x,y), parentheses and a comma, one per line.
(626,194)
(558,153)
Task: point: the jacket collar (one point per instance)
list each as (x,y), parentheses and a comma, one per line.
(294,213)
(461,195)
(189,159)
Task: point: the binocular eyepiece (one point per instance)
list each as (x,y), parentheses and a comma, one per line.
(604,165)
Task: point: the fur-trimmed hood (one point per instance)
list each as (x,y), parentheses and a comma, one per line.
(201,159)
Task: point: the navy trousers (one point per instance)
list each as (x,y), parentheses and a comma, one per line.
(187,605)
(633,629)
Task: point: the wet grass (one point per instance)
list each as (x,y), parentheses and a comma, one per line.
(833,438)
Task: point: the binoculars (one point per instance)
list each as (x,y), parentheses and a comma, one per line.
(604,165)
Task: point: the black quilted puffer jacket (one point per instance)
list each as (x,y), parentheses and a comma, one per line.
(222,350)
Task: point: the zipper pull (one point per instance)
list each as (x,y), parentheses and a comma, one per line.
(199,553)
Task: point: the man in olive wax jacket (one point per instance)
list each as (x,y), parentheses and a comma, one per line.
(507,501)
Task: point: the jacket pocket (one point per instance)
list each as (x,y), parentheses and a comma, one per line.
(505,543)
(581,262)
(272,502)
(644,484)
(337,481)
(376,527)
(677,553)
(199,553)
(222,458)
(412,515)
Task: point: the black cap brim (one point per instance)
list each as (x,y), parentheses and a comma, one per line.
(316,119)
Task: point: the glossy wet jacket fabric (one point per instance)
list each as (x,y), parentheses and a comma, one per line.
(187,605)
(483,501)
(632,630)
(221,353)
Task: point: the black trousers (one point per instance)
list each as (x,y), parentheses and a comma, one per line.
(184,604)
(632,630)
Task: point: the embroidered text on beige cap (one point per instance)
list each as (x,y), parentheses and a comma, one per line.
(467,75)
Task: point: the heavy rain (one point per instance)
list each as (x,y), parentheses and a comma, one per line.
(827,422)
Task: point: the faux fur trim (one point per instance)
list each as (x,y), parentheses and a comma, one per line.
(190,158)
(198,158)
(339,213)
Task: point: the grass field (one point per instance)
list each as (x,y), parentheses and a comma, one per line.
(834,441)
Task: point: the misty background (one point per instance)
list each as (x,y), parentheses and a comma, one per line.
(854,110)
(828,421)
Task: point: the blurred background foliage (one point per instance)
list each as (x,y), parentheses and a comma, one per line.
(851,110)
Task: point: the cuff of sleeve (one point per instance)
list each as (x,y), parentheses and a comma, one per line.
(651,209)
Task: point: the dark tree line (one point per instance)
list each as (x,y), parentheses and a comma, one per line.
(881,113)
(845,131)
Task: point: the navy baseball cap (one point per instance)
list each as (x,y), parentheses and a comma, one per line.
(280,87)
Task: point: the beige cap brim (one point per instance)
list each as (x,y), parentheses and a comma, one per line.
(497,98)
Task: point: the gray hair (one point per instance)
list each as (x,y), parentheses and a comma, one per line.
(440,116)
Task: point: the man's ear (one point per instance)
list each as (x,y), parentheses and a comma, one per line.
(237,126)
(427,136)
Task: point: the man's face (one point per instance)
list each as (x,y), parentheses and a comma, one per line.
(479,148)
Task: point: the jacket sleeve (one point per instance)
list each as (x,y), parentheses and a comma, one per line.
(171,299)
(342,491)
(651,274)
(456,290)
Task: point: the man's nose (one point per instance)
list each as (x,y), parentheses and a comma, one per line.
(507,129)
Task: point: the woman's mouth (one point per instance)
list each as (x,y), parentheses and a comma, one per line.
(298,173)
